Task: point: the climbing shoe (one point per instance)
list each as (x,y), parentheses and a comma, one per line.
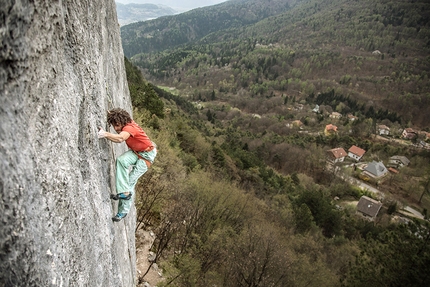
(119,216)
(120,196)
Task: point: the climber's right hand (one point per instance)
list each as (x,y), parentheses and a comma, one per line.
(102,133)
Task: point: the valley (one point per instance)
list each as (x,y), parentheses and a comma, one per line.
(257,106)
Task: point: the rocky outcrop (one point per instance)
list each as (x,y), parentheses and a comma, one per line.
(61,68)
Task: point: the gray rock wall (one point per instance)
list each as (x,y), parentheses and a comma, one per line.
(61,68)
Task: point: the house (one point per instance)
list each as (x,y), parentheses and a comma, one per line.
(368,207)
(297,123)
(330,129)
(336,155)
(375,169)
(398,161)
(383,130)
(316,109)
(409,133)
(335,115)
(352,117)
(356,153)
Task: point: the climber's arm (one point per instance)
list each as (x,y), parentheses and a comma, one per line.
(116,138)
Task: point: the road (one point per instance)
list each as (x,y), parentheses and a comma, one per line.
(380,194)
(360,184)
(364,186)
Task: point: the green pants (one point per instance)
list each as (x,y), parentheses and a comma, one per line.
(128,170)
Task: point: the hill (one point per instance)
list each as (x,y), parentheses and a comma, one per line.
(241,193)
(169,32)
(224,217)
(375,52)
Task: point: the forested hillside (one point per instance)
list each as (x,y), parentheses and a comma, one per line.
(222,217)
(168,32)
(375,52)
(242,192)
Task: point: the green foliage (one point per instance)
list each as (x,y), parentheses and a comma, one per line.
(330,98)
(292,51)
(189,161)
(181,102)
(303,217)
(250,200)
(325,214)
(171,31)
(221,234)
(218,156)
(397,257)
(345,189)
(142,94)
(392,207)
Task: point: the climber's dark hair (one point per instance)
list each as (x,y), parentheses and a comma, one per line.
(118,116)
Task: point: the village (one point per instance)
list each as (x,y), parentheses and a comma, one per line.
(370,175)
(371,172)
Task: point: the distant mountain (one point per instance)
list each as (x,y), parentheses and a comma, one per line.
(131,13)
(375,53)
(169,32)
(181,6)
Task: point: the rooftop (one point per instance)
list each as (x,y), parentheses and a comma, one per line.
(356,150)
(337,152)
(368,206)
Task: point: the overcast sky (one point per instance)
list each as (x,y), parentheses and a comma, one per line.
(176,4)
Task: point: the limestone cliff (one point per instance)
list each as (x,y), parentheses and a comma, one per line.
(61,68)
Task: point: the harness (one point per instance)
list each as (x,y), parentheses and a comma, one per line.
(148,163)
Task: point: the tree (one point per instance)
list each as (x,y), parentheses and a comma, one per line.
(324,213)
(257,258)
(142,94)
(303,218)
(400,256)
(425,184)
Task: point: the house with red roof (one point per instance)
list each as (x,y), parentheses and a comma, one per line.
(356,153)
(330,129)
(336,155)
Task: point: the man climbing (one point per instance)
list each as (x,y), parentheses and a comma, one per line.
(140,156)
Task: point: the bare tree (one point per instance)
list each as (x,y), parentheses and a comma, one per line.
(150,192)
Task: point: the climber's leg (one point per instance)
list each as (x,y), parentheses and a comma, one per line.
(123,162)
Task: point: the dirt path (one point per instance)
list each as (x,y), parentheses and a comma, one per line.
(144,240)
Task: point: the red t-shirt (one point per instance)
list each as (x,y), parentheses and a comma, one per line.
(138,140)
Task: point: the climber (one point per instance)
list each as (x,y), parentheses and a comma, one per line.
(140,156)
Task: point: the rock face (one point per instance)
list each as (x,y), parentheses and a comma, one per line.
(61,68)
